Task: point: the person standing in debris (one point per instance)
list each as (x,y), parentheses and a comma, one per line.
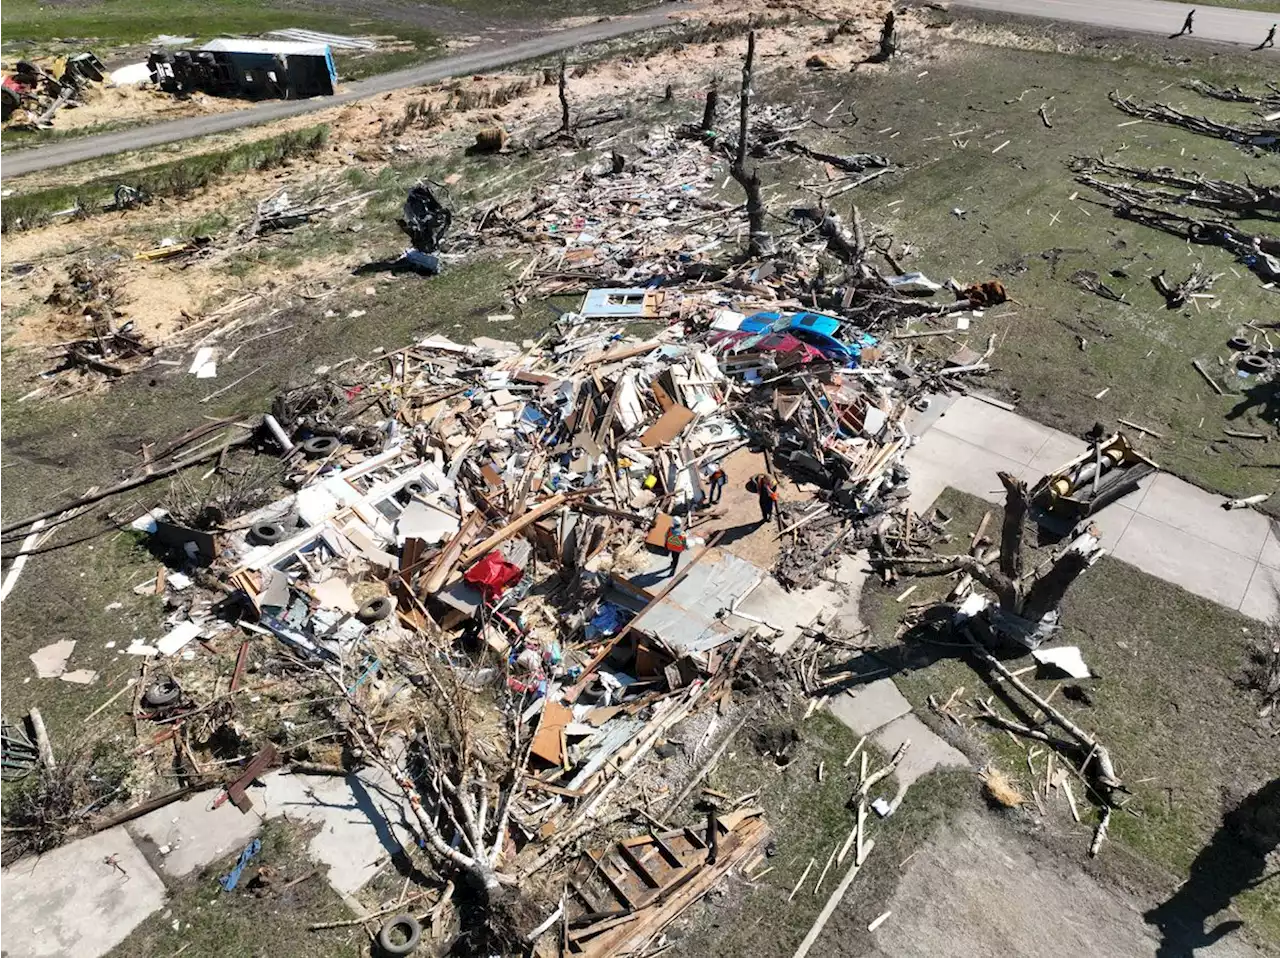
(1186,24)
(1269,40)
(677,542)
(767,492)
(717,480)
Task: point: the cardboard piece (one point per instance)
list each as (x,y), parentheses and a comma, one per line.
(669,425)
(548,741)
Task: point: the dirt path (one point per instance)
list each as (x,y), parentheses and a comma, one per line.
(978,890)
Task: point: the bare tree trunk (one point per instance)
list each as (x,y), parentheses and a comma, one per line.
(709,109)
(1047,593)
(760,243)
(1015,512)
(564,99)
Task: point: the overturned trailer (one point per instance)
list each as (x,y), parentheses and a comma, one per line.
(254,69)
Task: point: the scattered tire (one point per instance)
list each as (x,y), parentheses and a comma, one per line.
(415,488)
(408,929)
(1238,343)
(163,692)
(319,446)
(375,610)
(266,533)
(1254,363)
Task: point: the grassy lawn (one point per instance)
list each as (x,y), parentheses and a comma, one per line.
(203,921)
(808,819)
(1166,701)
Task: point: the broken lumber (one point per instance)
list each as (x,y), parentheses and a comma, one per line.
(832,903)
(513,528)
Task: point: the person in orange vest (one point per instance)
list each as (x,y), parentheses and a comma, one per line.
(677,542)
(767,491)
(716,480)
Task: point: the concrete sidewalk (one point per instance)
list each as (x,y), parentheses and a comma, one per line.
(72,901)
(1168,528)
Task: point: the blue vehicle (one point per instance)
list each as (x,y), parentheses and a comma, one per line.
(819,331)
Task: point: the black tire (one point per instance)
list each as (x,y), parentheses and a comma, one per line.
(266,533)
(1254,363)
(1238,343)
(411,929)
(415,488)
(163,692)
(375,610)
(319,446)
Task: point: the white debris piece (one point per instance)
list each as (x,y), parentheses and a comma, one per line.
(177,637)
(1066,659)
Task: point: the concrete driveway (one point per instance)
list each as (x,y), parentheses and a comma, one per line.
(1168,528)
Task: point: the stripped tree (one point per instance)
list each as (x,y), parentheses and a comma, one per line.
(760,242)
(1026,607)
(459,783)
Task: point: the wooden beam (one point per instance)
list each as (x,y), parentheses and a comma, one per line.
(513,528)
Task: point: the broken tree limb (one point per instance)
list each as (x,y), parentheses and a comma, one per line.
(832,903)
(125,486)
(1207,378)
(1106,775)
(43,745)
(1265,137)
(1100,833)
(870,781)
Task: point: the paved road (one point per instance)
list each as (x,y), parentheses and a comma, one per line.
(479,60)
(1224,24)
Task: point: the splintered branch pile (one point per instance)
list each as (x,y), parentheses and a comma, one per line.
(1194,189)
(1260,135)
(1267,101)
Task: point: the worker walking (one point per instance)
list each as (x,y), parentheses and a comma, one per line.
(767,492)
(677,541)
(717,480)
(1269,41)
(1186,24)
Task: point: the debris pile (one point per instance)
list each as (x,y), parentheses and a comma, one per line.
(491,577)
(33,93)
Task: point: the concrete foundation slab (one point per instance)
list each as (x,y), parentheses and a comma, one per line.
(870,707)
(72,902)
(1173,555)
(194,833)
(1004,433)
(940,460)
(1270,556)
(1262,597)
(1183,506)
(353,839)
(926,753)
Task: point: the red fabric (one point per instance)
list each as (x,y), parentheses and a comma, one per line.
(492,574)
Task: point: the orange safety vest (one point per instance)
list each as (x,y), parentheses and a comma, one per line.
(717,476)
(675,541)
